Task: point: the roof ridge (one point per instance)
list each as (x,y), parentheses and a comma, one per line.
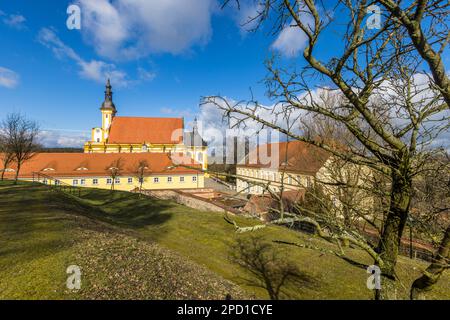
(140,117)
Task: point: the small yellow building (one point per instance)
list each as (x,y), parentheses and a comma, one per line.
(297,166)
(291,165)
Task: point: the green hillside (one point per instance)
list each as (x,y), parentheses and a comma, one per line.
(142,248)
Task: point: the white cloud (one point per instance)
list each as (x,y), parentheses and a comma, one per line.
(94,70)
(187,113)
(145,74)
(290,41)
(214,125)
(8,78)
(63,138)
(128,29)
(16,21)
(100,70)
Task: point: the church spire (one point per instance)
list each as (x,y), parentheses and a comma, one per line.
(108,103)
(195,126)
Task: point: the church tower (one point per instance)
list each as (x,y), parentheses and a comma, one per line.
(108,110)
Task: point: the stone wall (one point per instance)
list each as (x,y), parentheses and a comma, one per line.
(190,200)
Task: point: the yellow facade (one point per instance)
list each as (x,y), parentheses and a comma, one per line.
(129,183)
(254,180)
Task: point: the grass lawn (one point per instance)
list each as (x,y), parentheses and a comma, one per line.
(116,237)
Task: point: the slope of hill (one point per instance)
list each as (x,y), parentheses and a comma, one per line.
(131,247)
(42,233)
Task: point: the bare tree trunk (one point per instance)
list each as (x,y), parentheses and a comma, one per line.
(17,173)
(392,233)
(434,271)
(271,291)
(7,159)
(140,189)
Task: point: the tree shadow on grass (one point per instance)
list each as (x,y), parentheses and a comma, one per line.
(127,210)
(36,217)
(268,269)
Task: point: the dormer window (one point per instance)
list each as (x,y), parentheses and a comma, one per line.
(9,170)
(144,148)
(82,169)
(48,169)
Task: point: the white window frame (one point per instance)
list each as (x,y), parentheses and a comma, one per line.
(156,180)
(181,179)
(169,179)
(82,182)
(95,181)
(109,180)
(130,180)
(75,182)
(117,181)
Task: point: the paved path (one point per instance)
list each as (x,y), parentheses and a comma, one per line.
(210,183)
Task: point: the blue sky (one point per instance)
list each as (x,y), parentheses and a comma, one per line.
(50,76)
(161,56)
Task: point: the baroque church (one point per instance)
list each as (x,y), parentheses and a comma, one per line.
(144,134)
(143,152)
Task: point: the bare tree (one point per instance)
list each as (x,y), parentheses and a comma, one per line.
(20,139)
(426,23)
(115,170)
(141,170)
(431,204)
(392,109)
(6,155)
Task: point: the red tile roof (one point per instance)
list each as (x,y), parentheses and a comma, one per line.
(295,156)
(151,130)
(97,164)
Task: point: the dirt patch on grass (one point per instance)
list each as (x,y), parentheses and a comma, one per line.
(118,266)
